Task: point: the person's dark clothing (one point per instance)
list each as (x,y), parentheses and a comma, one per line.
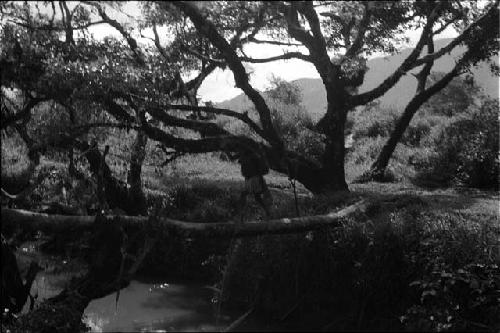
(252,165)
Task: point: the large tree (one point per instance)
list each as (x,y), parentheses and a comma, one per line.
(141,86)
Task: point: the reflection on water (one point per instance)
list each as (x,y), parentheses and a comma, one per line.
(147,307)
(144,306)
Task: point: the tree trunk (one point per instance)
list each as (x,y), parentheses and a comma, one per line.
(332,125)
(136,193)
(115,191)
(377,169)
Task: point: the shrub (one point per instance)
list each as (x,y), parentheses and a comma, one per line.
(393,271)
(467,149)
(200,203)
(454,99)
(416,132)
(16,171)
(366,149)
(373,122)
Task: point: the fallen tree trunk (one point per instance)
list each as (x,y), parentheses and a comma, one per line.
(39,221)
(106,274)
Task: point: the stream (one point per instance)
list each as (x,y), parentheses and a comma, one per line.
(146,305)
(155,306)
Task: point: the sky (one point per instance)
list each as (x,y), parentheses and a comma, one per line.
(219,86)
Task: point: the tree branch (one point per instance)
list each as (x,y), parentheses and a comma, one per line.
(426,70)
(208,29)
(204,128)
(285,56)
(230,113)
(315,43)
(162,51)
(202,57)
(271,42)
(40,221)
(362,27)
(194,84)
(115,24)
(407,64)
(50,27)
(484,21)
(22,114)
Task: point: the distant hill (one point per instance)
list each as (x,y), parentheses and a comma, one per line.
(314,95)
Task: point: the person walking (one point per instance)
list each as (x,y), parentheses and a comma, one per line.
(253,169)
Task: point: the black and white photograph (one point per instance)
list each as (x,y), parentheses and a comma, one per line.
(242,166)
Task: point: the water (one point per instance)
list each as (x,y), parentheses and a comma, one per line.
(145,305)
(157,307)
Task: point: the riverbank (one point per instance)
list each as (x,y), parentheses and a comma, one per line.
(420,259)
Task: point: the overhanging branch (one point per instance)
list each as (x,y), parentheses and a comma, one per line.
(490,16)
(221,230)
(285,56)
(407,64)
(208,29)
(226,112)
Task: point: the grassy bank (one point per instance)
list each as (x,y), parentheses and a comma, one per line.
(421,260)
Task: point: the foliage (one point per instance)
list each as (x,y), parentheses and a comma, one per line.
(291,120)
(454,99)
(458,289)
(394,271)
(417,131)
(201,203)
(452,140)
(131,80)
(15,163)
(467,149)
(373,121)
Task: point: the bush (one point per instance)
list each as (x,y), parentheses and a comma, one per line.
(373,122)
(467,149)
(416,132)
(201,203)
(366,149)
(393,271)
(16,166)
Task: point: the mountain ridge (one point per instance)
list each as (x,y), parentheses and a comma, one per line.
(314,94)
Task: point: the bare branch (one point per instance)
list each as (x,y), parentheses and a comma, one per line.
(487,17)
(426,70)
(285,56)
(308,11)
(272,42)
(202,57)
(295,29)
(407,64)
(315,43)
(40,221)
(195,83)
(240,75)
(115,24)
(243,117)
(204,128)
(158,45)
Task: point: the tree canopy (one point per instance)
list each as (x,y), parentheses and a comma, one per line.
(88,85)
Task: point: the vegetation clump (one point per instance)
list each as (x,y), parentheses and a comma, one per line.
(403,267)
